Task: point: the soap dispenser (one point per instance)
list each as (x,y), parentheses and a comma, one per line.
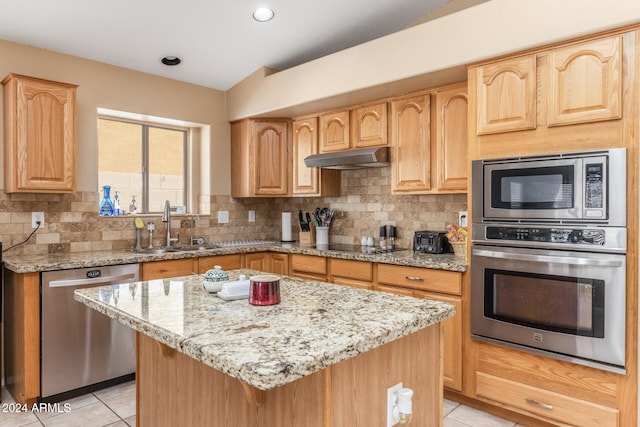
(116,204)
(106,205)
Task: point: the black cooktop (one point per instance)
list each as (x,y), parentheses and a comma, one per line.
(342,247)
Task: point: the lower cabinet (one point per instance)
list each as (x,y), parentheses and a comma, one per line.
(308,267)
(545,403)
(269,262)
(169,268)
(227,262)
(554,391)
(357,274)
(438,285)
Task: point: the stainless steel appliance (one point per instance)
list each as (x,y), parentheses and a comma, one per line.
(548,261)
(585,187)
(431,242)
(83,350)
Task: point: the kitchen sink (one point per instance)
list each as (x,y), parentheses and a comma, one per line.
(157,250)
(165,250)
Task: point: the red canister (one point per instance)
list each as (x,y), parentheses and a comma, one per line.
(264,289)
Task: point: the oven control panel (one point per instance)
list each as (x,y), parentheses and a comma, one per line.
(547,235)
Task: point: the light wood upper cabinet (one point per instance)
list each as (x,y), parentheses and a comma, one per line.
(305,143)
(411,144)
(359,127)
(272,155)
(260,158)
(39,135)
(585,82)
(506,95)
(334,131)
(451,137)
(369,126)
(310,181)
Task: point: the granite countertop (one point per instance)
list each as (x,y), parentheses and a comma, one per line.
(63,261)
(265,346)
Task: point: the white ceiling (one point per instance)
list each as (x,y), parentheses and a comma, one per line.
(218,40)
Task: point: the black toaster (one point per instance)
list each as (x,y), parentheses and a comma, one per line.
(431,242)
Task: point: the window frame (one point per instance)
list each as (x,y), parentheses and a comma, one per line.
(143,201)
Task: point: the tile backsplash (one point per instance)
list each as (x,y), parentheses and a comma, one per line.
(72,223)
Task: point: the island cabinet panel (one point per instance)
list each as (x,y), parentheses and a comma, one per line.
(170,268)
(309,267)
(39,135)
(358,385)
(22,335)
(173,389)
(227,262)
(358,274)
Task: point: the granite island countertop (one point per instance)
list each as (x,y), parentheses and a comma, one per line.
(63,261)
(316,325)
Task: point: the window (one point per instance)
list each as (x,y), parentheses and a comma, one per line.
(142,160)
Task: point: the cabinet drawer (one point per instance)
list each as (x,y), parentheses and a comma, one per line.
(545,403)
(426,279)
(359,270)
(309,264)
(227,262)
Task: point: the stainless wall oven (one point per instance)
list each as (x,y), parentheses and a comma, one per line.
(547,274)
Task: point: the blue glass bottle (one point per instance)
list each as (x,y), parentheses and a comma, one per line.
(106,205)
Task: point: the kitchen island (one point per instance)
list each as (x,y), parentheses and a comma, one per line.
(324,356)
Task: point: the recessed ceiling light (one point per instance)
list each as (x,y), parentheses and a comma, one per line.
(263,14)
(171,60)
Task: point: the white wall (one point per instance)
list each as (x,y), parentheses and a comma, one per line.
(425,55)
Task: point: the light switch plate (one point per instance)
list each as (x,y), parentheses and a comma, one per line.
(252,216)
(223,217)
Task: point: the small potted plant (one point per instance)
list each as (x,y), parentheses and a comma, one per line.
(457,237)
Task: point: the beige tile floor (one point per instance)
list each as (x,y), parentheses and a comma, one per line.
(116,407)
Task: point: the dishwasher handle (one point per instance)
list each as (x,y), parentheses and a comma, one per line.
(106,280)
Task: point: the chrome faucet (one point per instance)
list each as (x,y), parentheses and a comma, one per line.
(166,218)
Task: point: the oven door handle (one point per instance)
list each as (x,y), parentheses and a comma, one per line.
(548,259)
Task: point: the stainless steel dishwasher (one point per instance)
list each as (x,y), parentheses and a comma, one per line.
(83,350)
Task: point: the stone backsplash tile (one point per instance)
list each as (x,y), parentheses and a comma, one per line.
(72,223)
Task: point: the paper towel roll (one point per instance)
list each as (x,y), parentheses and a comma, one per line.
(286,226)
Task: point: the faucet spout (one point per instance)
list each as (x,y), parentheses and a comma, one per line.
(166,218)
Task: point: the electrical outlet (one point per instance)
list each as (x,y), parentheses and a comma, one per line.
(463,218)
(392,397)
(223,217)
(37,217)
(252,216)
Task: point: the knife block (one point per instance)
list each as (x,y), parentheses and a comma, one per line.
(307,238)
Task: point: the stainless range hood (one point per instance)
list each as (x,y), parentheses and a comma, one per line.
(375,157)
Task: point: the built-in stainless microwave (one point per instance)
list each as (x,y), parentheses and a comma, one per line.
(585,187)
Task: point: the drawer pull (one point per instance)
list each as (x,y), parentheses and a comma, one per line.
(540,404)
(414,278)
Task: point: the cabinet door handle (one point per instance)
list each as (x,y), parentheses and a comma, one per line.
(540,404)
(414,278)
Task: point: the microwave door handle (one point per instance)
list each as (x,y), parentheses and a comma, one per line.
(108,280)
(548,259)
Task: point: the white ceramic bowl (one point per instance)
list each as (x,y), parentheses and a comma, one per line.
(211,285)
